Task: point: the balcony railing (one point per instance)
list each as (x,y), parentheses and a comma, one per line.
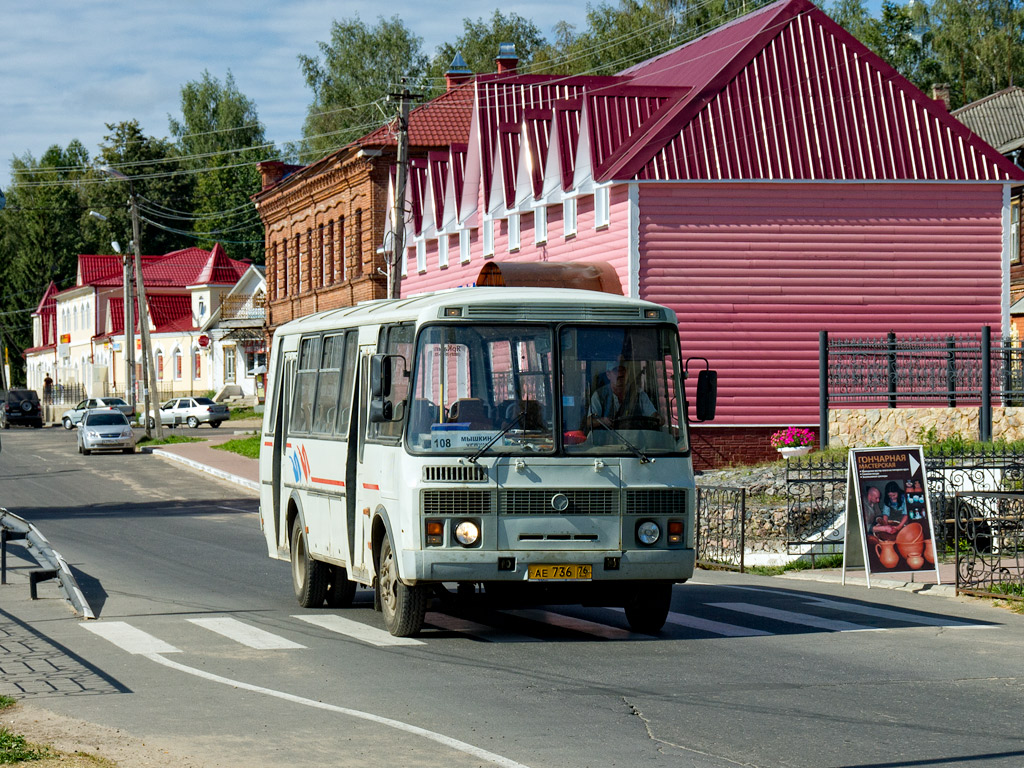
(244,307)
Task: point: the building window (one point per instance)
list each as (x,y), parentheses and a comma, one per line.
(311,278)
(160,366)
(298,264)
(339,247)
(1015,231)
(323,255)
(488,236)
(540,225)
(177,361)
(513,232)
(465,243)
(283,269)
(197,364)
(358,241)
(329,254)
(229,365)
(254,359)
(569,216)
(421,255)
(405,261)
(442,251)
(602,207)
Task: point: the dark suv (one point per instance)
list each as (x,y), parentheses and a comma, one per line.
(21,406)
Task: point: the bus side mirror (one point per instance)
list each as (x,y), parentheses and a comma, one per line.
(381,411)
(707,394)
(380,377)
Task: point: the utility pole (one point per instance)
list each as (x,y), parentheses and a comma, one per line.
(149,390)
(129,329)
(398,213)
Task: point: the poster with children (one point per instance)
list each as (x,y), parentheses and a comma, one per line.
(889,511)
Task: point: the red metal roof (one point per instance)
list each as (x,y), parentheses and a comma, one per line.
(177,269)
(417,182)
(219,269)
(437,123)
(167,313)
(438,174)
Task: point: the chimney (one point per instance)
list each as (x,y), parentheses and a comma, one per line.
(940,94)
(272,171)
(458,72)
(506,59)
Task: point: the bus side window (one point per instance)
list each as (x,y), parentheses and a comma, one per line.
(349,366)
(396,340)
(305,386)
(326,409)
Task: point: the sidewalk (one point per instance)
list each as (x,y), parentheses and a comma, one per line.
(225,465)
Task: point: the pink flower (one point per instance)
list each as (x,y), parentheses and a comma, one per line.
(792,438)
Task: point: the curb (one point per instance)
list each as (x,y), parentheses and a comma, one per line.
(252,485)
(917,587)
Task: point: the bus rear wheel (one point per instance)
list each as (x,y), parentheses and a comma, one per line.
(647,609)
(403,606)
(340,589)
(309,576)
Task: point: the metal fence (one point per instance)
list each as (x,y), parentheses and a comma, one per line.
(816,493)
(721,527)
(947,371)
(989,539)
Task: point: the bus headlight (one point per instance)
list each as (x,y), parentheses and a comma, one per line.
(648,532)
(467,533)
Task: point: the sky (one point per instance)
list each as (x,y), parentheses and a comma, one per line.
(69,68)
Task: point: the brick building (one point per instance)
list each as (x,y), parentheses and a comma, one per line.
(325,221)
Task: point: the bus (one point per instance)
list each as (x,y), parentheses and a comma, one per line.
(512,445)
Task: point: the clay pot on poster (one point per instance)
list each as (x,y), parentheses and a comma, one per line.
(885,549)
(910,532)
(915,561)
(928,553)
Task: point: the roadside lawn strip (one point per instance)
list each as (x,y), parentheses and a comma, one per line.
(15,749)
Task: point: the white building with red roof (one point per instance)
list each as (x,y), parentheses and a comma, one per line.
(79,331)
(767,181)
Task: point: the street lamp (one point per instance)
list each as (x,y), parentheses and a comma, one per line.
(148,372)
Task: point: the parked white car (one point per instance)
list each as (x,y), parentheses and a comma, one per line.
(105,430)
(192,411)
(72,416)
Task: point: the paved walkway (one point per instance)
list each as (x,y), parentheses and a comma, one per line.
(244,472)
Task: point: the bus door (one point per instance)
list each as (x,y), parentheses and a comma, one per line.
(272,499)
(365,489)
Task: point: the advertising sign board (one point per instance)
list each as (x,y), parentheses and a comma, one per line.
(888,510)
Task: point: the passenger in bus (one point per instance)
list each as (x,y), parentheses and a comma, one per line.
(620,402)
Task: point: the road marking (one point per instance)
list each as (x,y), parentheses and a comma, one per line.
(128,638)
(577,625)
(885,613)
(357,630)
(247,635)
(398,725)
(707,625)
(791,617)
(483,631)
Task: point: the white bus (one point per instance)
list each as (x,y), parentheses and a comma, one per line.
(526,443)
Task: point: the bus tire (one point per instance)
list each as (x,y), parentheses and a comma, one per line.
(340,589)
(404,607)
(648,608)
(309,576)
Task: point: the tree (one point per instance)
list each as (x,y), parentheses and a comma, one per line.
(40,237)
(220,139)
(358,68)
(479,44)
(159,180)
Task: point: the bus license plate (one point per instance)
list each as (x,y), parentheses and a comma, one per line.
(560,572)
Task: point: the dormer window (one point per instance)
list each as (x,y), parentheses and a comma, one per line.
(202,309)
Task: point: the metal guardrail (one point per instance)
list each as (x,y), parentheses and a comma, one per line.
(16,529)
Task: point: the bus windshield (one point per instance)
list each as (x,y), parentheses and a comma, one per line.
(493,387)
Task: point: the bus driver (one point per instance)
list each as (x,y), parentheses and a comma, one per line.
(620,400)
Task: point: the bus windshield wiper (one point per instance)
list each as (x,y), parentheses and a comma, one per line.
(497,437)
(633,449)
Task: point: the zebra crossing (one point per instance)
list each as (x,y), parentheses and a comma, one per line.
(528,625)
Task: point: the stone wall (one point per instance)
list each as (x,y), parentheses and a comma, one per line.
(908,426)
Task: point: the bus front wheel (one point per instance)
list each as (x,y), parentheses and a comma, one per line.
(647,608)
(309,576)
(404,607)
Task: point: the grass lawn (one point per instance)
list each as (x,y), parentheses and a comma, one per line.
(243,446)
(169,440)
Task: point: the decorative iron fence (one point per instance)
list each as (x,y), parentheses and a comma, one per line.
(989,539)
(938,371)
(816,494)
(721,527)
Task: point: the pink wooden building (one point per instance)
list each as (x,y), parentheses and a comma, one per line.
(769,180)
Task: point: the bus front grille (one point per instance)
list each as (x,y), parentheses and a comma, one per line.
(455,474)
(456,502)
(656,501)
(540,502)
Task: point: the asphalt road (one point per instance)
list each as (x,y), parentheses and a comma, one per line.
(200,646)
